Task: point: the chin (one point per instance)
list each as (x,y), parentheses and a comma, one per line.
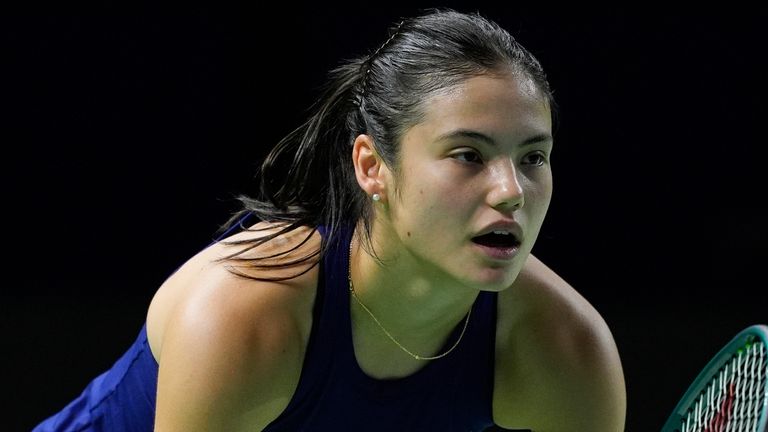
(493,280)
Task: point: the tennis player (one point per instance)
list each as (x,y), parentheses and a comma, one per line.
(382,279)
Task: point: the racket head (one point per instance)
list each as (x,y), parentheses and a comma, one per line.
(746,343)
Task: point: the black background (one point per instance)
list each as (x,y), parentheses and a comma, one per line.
(128,133)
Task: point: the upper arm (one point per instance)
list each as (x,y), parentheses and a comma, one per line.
(584,382)
(565,370)
(227,363)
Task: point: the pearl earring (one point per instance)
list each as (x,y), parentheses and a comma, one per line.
(376,197)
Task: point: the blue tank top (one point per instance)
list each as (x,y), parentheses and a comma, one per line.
(121,399)
(450,394)
(453,393)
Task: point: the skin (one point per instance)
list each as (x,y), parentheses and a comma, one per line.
(453,188)
(222,340)
(554,352)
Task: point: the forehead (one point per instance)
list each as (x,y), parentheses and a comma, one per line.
(506,107)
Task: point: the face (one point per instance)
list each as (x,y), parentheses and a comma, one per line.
(481,154)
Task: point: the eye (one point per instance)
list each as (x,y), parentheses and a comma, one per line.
(474,157)
(536,159)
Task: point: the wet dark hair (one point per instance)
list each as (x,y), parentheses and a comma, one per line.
(308,179)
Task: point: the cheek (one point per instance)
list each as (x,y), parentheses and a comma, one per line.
(436,202)
(539,189)
(542,193)
(435,205)
(537,203)
(446,192)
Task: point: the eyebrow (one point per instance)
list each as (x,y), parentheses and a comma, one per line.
(479,136)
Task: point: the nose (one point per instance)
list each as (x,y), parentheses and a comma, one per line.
(507,191)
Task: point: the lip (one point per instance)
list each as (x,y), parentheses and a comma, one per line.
(499,253)
(508,225)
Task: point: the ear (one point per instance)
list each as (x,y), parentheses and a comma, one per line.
(371,172)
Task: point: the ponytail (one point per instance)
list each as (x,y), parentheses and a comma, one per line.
(308,178)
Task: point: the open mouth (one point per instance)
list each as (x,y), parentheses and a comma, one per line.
(497,240)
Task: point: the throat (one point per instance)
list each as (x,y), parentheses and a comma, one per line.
(381,357)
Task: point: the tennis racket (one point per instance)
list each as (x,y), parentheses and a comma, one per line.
(730,393)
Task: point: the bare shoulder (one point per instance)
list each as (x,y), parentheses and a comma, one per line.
(230,348)
(559,357)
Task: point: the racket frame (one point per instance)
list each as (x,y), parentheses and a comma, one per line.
(701,382)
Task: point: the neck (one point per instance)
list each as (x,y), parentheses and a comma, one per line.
(417,304)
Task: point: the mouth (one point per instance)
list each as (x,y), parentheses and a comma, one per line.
(499,241)
(498,247)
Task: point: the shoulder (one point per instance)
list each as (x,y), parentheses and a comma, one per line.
(207,279)
(560,357)
(230,349)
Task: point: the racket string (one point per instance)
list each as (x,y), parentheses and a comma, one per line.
(733,399)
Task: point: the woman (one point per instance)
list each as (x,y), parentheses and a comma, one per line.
(399,293)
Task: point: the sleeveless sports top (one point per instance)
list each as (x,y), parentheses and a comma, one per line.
(453,393)
(121,399)
(450,394)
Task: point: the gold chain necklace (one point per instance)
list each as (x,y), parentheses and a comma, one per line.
(417,357)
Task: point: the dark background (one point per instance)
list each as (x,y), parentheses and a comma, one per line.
(128,133)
